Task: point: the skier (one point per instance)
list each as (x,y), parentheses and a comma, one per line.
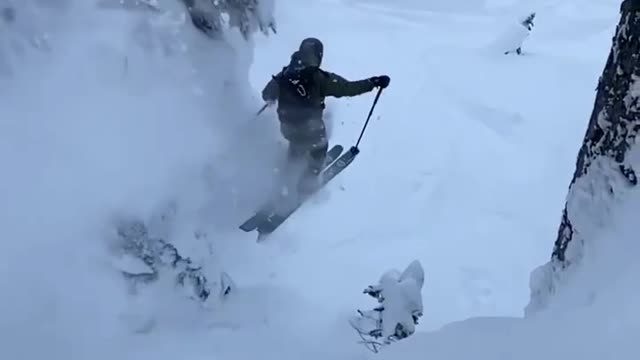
(300,90)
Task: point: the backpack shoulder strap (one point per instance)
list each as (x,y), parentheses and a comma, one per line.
(278,76)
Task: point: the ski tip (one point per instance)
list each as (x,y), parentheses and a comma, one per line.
(247,227)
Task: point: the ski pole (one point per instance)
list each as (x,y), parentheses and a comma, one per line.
(263,108)
(375,101)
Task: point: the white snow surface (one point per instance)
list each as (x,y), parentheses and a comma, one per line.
(464,167)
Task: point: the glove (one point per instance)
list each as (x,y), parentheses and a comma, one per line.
(380,81)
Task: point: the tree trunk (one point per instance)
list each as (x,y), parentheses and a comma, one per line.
(603,171)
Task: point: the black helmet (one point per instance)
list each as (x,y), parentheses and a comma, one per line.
(312,48)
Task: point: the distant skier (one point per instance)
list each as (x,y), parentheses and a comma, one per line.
(400,298)
(300,90)
(520,35)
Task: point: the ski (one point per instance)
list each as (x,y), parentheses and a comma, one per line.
(271,222)
(255,220)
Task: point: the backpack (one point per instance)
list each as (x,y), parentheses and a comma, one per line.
(295,85)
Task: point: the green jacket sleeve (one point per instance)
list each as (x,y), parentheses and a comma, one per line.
(270,91)
(335,85)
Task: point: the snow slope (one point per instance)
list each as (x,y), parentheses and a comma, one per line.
(466,164)
(465,167)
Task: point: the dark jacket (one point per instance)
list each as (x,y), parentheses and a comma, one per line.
(324,84)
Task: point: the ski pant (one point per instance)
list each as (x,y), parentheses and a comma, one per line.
(308,142)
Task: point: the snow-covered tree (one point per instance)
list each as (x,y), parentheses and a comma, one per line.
(159,256)
(514,35)
(213,17)
(245,15)
(225,86)
(604,174)
(399,307)
(103,146)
